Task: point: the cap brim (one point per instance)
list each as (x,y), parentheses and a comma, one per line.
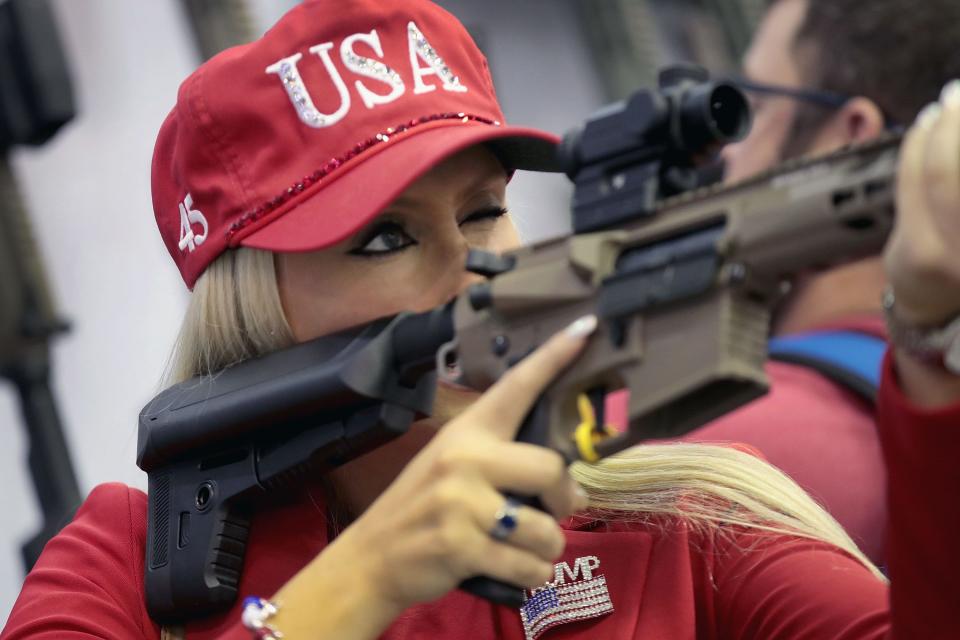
(351,200)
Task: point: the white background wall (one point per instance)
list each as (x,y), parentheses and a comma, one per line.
(88,193)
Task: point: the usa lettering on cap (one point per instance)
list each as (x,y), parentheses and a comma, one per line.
(419,49)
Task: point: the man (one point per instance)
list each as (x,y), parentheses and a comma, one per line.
(822,74)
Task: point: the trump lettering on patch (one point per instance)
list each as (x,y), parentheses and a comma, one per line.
(575,594)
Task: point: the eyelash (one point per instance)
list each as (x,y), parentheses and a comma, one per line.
(489,213)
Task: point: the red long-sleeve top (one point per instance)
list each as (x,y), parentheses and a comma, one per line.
(662,580)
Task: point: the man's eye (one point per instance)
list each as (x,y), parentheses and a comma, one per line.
(388,238)
(490,213)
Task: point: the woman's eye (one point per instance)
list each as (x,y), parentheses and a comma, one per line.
(489,213)
(383,240)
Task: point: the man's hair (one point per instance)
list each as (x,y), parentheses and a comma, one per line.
(897,53)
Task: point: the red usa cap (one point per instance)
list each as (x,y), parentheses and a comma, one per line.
(297,140)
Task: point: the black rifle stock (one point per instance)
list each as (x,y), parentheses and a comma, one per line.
(682,285)
(212,445)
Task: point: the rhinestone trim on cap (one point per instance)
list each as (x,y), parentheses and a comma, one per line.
(253,215)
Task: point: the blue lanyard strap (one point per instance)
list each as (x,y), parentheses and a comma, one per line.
(850,358)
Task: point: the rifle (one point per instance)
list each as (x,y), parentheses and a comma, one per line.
(682,282)
(36,100)
(218,24)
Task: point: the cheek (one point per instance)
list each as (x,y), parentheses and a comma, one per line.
(498,237)
(321,297)
(506,237)
(776,125)
(760,150)
(331,297)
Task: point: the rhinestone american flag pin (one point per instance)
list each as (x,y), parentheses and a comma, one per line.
(575,594)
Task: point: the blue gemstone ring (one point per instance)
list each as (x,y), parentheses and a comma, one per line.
(506,520)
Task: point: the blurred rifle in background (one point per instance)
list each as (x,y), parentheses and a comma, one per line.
(36,99)
(218,24)
(632,39)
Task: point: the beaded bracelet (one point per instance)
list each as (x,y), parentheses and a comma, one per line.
(256,613)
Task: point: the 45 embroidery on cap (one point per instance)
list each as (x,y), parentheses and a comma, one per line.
(419,50)
(189,217)
(582,597)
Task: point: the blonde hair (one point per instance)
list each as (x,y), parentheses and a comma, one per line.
(235,313)
(708,486)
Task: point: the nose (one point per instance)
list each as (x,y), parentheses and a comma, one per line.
(447,272)
(458,268)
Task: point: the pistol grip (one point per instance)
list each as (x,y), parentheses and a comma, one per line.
(534,430)
(495,591)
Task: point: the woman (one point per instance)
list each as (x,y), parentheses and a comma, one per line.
(336,171)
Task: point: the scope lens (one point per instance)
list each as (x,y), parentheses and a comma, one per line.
(729,111)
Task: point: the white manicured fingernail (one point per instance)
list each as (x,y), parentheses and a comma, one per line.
(950,96)
(582,327)
(929,115)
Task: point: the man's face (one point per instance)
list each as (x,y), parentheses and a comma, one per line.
(769,60)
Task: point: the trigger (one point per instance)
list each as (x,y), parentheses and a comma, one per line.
(588,433)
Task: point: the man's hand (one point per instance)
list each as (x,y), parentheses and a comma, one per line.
(922,258)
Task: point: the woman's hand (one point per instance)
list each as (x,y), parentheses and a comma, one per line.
(430,529)
(922,258)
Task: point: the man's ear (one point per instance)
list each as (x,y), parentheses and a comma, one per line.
(859,120)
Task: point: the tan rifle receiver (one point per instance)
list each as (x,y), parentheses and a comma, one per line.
(684,296)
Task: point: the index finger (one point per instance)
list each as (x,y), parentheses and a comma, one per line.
(941,164)
(508,401)
(910,186)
